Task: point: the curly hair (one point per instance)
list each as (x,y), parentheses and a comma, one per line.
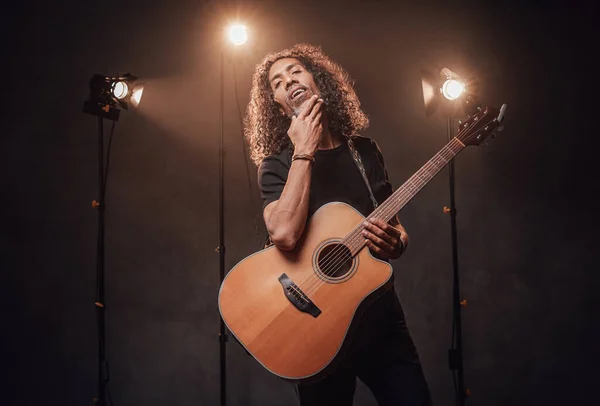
(265,128)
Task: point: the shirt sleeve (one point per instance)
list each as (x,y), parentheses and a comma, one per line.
(272,177)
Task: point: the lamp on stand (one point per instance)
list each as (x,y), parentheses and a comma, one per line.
(442,92)
(107,96)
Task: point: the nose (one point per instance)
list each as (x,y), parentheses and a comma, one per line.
(289,81)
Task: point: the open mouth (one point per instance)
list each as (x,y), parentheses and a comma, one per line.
(297,93)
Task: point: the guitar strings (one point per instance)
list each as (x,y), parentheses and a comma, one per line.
(411,184)
(375,213)
(389,211)
(351,240)
(334,256)
(354,240)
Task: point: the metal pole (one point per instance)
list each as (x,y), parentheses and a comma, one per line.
(221,249)
(100,316)
(456,361)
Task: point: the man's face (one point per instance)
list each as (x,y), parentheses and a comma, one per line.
(291,85)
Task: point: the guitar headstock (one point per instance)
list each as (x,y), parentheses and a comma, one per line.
(480,125)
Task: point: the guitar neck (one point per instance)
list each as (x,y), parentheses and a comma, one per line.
(474,131)
(407,191)
(416,182)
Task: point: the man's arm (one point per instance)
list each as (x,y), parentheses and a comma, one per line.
(285,218)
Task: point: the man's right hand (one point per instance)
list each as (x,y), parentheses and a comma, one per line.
(306,130)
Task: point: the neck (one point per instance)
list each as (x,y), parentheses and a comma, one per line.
(330,140)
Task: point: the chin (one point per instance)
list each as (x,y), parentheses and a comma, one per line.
(296,105)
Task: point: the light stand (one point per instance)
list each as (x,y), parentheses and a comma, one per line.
(223,337)
(237,35)
(439,91)
(455,353)
(106,95)
(99,303)
(100,400)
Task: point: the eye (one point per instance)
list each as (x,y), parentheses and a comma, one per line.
(296,71)
(277,84)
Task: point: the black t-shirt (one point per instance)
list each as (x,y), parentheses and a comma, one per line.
(335,176)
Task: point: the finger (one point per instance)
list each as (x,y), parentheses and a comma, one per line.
(292,124)
(381,253)
(378,241)
(388,228)
(317,108)
(308,105)
(390,239)
(317,117)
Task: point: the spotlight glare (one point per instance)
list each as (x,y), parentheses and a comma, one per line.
(452,89)
(237,34)
(136,96)
(120,90)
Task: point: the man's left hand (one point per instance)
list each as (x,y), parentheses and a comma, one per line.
(383,239)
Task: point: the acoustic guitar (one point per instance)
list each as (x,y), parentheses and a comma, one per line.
(294,311)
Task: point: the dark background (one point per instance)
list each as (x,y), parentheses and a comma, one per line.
(526,215)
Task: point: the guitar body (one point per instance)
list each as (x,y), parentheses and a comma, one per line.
(294,344)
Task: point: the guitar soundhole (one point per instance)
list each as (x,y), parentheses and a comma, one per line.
(335,260)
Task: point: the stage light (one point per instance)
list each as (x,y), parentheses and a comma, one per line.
(452,89)
(448,91)
(124,88)
(237,34)
(120,90)
(108,94)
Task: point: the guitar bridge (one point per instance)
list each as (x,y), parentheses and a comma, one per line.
(295,295)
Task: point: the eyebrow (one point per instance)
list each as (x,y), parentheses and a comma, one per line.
(287,68)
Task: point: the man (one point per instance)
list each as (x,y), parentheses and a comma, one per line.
(302,125)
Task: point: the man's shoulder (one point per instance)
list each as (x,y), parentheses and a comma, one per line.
(363,142)
(282,158)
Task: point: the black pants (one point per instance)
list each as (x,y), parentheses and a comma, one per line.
(382,355)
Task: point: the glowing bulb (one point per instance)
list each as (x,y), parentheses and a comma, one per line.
(120,90)
(237,34)
(136,96)
(452,89)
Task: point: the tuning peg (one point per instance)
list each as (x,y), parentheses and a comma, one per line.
(500,128)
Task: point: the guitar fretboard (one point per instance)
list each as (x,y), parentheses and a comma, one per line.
(406,192)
